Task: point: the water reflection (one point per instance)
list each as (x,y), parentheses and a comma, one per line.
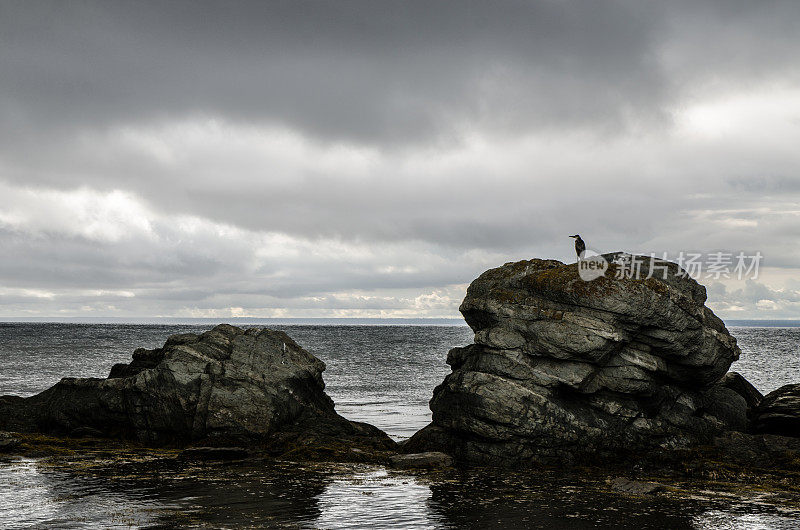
(258,494)
(714,520)
(24,495)
(31,496)
(545,499)
(375,498)
(232,496)
(168,495)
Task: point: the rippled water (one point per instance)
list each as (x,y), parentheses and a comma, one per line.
(770,356)
(383,375)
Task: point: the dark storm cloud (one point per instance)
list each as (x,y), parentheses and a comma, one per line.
(366,71)
(377,71)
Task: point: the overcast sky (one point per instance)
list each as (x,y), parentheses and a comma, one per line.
(369,159)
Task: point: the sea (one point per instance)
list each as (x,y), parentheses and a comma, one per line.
(376,373)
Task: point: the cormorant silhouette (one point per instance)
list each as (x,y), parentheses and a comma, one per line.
(580,246)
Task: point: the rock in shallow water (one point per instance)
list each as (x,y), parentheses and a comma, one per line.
(421,460)
(227,386)
(635,487)
(779,412)
(8,442)
(213,453)
(562,368)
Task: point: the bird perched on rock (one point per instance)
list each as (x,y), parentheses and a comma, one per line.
(580,246)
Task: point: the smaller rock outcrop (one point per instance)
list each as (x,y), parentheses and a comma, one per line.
(752,396)
(8,442)
(779,412)
(227,386)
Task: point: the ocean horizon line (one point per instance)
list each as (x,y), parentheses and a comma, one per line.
(345,321)
(318,321)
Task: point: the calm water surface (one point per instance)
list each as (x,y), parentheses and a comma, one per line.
(382,375)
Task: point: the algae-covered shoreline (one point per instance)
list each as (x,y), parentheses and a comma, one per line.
(260,490)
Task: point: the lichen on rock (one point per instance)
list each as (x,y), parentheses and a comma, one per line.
(563,369)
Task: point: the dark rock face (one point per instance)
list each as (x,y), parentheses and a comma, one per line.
(726,405)
(563,368)
(759,450)
(743,387)
(779,412)
(225,385)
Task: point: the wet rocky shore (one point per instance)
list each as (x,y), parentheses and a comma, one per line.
(623,380)
(254,488)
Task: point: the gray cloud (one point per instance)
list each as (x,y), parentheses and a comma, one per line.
(755,298)
(765,184)
(416,143)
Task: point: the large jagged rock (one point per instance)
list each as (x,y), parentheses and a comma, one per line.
(227,385)
(563,368)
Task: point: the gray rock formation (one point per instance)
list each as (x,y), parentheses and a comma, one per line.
(227,385)
(563,368)
(779,412)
